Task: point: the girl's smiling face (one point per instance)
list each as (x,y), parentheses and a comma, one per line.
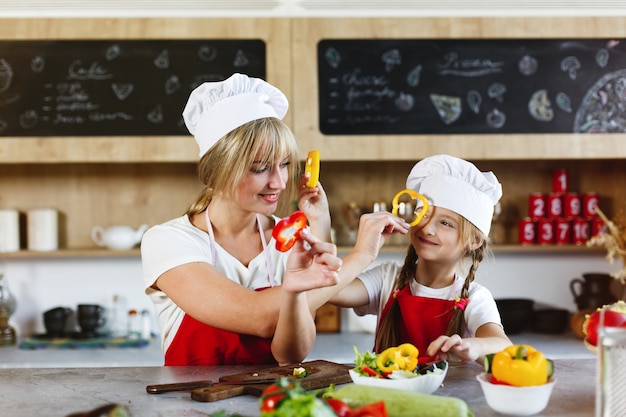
(260,189)
(437,236)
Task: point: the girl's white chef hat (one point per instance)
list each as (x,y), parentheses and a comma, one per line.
(457,185)
(216,108)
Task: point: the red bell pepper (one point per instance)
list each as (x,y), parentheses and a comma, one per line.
(287,231)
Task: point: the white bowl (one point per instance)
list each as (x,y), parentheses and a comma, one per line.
(426,384)
(516,401)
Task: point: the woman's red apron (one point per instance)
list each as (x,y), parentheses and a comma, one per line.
(197,343)
(423,319)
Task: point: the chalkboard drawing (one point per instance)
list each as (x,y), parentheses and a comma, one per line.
(37,64)
(602,57)
(3,125)
(603,108)
(474,99)
(453,65)
(571,65)
(495,119)
(448,107)
(207,53)
(405,101)
(172,84)
(563,102)
(527,65)
(496,90)
(540,107)
(156,115)
(112,52)
(391,58)
(241,60)
(162,60)
(122,90)
(332,57)
(95,71)
(413,79)
(6,75)
(29,119)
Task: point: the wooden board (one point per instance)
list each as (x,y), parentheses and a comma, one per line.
(321,375)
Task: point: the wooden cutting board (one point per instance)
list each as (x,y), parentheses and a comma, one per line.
(320,375)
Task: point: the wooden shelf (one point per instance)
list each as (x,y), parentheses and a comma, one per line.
(104,253)
(72,253)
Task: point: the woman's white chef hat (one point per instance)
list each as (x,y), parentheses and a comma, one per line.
(216,108)
(457,185)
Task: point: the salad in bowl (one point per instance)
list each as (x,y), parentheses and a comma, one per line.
(399,367)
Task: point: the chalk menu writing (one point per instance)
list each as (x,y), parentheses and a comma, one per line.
(112,87)
(403,86)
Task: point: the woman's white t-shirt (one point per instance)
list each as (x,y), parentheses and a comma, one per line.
(178,242)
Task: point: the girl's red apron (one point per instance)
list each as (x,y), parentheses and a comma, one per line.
(423,319)
(197,343)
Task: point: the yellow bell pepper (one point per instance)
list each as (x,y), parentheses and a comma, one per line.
(520,365)
(403,357)
(312,168)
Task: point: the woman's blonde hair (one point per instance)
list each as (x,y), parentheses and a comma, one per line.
(387,334)
(226,164)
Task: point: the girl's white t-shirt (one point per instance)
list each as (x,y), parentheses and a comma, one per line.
(379,281)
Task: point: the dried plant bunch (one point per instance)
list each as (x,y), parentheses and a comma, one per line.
(613,240)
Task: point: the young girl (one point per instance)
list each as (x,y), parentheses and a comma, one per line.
(425,301)
(214,274)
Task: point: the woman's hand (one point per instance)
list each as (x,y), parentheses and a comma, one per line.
(314,203)
(312,263)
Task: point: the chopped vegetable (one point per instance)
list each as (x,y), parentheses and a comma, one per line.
(284,399)
(402,358)
(520,365)
(287,231)
(405,357)
(312,168)
(300,372)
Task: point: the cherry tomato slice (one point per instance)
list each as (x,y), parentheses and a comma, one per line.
(287,231)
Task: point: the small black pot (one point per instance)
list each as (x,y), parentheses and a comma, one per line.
(516,314)
(550,320)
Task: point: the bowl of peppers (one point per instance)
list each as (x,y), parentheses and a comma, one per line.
(517,381)
(399,367)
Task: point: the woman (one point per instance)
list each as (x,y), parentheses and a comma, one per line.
(214,274)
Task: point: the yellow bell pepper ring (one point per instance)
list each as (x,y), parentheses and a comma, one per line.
(415,196)
(312,168)
(520,365)
(403,357)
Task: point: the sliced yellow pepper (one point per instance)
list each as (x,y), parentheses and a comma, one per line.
(312,168)
(414,195)
(520,365)
(403,357)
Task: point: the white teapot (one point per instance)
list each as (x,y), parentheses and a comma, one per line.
(118,237)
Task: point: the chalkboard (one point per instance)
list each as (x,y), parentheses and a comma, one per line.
(445,86)
(112,87)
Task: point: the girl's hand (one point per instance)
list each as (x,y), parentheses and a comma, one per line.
(312,263)
(375,229)
(452,348)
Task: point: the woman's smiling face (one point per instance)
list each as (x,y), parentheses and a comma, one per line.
(260,189)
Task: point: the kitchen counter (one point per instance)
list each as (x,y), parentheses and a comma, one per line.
(336,347)
(27,392)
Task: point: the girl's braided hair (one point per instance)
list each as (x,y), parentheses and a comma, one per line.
(387,334)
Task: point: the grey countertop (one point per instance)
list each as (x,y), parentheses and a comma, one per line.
(28,392)
(336,347)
